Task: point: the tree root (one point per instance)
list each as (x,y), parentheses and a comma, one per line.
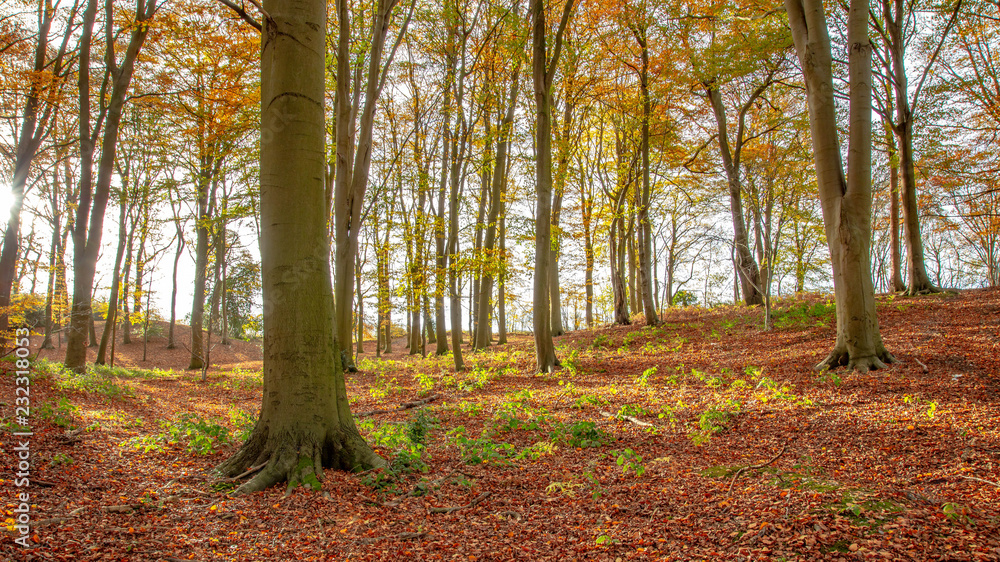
(400,537)
(297,460)
(840,357)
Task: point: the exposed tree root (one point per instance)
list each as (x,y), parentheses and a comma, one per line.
(632,419)
(840,357)
(297,459)
(399,537)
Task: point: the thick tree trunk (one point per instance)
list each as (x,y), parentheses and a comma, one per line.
(305,422)
(846,204)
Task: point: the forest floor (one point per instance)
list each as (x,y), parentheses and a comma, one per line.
(705,438)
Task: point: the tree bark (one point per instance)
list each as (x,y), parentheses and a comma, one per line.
(305,423)
(543,71)
(846,203)
(89,222)
(644,246)
(115,288)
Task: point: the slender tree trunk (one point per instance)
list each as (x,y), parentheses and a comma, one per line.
(645,231)
(89,222)
(896,280)
(502,284)
(498,190)
(115,288)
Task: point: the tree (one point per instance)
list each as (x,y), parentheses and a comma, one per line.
(543,72)
(893,30)
(89,221)
(847,203)
(47,76)
(305,422)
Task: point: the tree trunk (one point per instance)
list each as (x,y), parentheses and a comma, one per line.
(895,280)
(305,422)
(499,186)
(115,288)
(846,204)
(543,71)
(746,267)
(919,281)
(502,284)
(645,231)
(89,222)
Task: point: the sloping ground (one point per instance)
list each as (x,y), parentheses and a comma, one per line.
(703,439)
(236,353)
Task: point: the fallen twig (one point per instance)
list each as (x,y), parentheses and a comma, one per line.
(634,420)
(922,366)
(475,501)
(980,480)
(401,407)
(756,467)
(401,536)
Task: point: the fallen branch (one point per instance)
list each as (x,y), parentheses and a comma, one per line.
(478,499)
(123,508)
(980,480)
(400,536)
(401,407)
(922,366)
(756,467)
(636,421)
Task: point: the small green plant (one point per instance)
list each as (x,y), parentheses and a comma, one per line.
(643,379)
(828,377)
(60,459)
(537,450)
(425,382)
(383,386)
(631,410)
(199,435)
(596,489)
(927,408)
(714,420)
(585,400)
(244,423)
(956,512)
(630,462)
(479,450)
(602,341)
(60,413)
(565,488)
(582,434)
(571,364)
